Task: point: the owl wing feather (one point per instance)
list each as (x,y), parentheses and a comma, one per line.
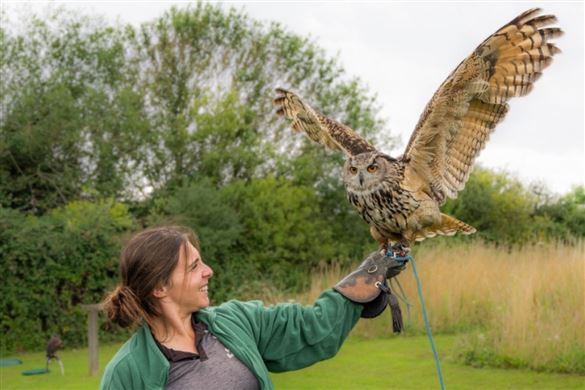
(464,111)
(318,127)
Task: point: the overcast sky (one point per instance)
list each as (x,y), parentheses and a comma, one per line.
(403,51)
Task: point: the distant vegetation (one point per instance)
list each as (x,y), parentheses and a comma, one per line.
(509,308)
(107,129)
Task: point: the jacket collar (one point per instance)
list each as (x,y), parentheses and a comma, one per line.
(152,359)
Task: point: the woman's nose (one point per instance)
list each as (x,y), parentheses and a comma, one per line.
(208,271)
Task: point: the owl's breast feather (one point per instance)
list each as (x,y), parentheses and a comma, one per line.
(387,208)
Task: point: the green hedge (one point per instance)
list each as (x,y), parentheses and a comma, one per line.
(53,264)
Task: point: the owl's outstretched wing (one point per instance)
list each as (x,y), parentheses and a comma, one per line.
(458,120)
(318,127)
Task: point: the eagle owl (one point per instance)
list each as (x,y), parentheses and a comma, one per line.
(400,197)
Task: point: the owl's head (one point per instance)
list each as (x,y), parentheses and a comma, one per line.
(366,171)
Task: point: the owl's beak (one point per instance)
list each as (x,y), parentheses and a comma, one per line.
(361,179)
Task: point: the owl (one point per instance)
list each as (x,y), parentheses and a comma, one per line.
(399,197)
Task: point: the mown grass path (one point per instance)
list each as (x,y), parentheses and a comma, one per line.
(393,363)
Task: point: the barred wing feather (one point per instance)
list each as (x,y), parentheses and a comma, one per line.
(464,111)
(317,126)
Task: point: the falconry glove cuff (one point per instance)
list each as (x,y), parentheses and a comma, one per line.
(368,285)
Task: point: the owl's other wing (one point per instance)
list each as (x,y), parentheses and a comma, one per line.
(458,120)
(317,126)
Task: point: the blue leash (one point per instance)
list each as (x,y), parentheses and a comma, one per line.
(404,259)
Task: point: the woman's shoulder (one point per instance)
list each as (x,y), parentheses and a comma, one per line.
(134,361)
(123,359)
(119,367)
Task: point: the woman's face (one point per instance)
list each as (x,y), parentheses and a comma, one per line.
(187,287)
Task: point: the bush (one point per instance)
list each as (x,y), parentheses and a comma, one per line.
(53,264)
(506,212)
(256,235)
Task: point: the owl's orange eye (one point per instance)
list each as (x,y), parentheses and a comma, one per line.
(372,168)
(353,170)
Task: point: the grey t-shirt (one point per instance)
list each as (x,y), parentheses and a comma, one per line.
(215,367)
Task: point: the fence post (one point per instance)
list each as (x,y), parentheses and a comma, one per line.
(92,336)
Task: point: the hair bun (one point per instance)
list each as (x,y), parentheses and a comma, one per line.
(122,307)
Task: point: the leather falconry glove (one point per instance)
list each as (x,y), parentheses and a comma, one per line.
(368,285)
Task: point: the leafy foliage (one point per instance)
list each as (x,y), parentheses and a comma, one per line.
(563,218)
(269,227)
(71,117)
(489,202)
(505,211)
(54,263)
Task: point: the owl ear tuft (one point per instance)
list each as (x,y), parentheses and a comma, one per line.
(386,157)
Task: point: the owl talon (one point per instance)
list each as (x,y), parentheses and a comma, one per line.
(400,249)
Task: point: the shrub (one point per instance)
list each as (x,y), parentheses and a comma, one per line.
(53,264)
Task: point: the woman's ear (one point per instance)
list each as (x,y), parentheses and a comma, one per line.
(160,292)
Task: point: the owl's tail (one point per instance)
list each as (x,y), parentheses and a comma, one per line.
(447,227)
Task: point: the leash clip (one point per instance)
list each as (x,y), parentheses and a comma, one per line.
(400,259)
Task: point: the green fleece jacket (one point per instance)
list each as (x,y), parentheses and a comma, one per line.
(276,338)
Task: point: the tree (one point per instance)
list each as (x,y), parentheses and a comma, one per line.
(505,211)
(497,205)
(209,78)
(564,217)
(269,228)
(72,116)
(93,109)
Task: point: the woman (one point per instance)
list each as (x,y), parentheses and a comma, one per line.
(183,343)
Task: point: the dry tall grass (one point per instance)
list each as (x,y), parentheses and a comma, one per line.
(526,306)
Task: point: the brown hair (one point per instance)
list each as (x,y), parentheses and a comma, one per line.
(146,262)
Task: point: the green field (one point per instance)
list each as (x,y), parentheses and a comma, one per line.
(394,363)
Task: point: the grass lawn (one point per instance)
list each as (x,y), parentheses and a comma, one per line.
(407,363)
(398,363)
